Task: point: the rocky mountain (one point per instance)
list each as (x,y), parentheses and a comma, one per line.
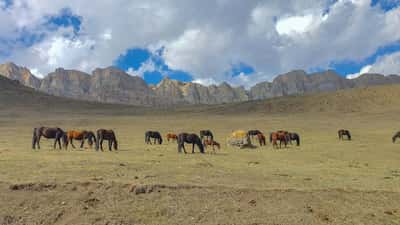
(22,74)
(113,85)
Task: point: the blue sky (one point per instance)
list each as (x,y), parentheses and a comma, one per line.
(246,44)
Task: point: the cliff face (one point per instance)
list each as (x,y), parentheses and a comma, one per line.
(68,83)
(22,74)
(116,86)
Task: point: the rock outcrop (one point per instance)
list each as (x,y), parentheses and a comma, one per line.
(113,85)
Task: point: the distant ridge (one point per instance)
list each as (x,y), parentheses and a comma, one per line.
(112,85)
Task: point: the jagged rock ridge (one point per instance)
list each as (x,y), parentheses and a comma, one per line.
(113,85)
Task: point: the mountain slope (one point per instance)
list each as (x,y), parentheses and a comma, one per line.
(112,85)
(18,99)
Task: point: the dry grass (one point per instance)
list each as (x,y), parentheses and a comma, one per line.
(324,181)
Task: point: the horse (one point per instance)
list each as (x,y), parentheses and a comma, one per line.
(191,139)
(294,137)
(152,134)
(342,133)
(82,136)
(172,137)
(261,139)
(50,133)
(252,133)
(212,143)
(280,136)
(207,134)
(396,135)
(109,135)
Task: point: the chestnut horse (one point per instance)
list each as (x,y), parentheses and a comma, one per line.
(342,133)
(81,136)
(281,136)
(109,135)
(50,133)
(212,143)
(261,139)
(172,137)
(191,139)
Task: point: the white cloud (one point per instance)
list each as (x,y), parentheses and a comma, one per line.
(365,69)
(202,37)
(294,25)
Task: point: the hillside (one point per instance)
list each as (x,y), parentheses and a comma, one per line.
(20,99)
(112,85)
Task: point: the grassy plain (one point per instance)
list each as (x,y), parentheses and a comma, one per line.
(324,181)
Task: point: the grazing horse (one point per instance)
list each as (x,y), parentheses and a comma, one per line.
(152,134)
(342,133)
(261,139)
(294,137)
(396,135)
(212,143)
(206,134)
(280,136)
(109,135)
(82,136)
(191,139)
(172,137)
(252,133)
(50,133)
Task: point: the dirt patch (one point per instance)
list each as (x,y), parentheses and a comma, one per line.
(117,203)
(32,187)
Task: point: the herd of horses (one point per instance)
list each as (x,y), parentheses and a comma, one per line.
(202,141)
(67,137)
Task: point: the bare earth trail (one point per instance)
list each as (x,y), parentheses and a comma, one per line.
(324,181)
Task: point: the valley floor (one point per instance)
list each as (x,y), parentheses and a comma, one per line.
(324,181)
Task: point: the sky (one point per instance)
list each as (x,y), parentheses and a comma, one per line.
(208,42)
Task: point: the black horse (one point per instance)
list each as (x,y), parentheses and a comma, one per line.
(50,133)
(191,139)
(252,133)
(342,133)
(294,137)
(153,134)
(206,134)
(395,136)
(109,135)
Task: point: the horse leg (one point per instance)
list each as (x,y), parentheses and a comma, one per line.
(34,138)
(38,141)
(183,147)
(72,143)
(82,142)
(101,144)
(109,145)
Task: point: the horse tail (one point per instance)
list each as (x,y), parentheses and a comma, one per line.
(98,140)
(298,140)
(394,137)
(270,137)
(34,138)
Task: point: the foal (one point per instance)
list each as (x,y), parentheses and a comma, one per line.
(212,143)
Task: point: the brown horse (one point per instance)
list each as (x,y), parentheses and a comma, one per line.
(261,139)
(82,136)
(109,135)
(212,143)
(342,133)
(50,133)
(190,139)
(171,136)
(395,136)
(281,136)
